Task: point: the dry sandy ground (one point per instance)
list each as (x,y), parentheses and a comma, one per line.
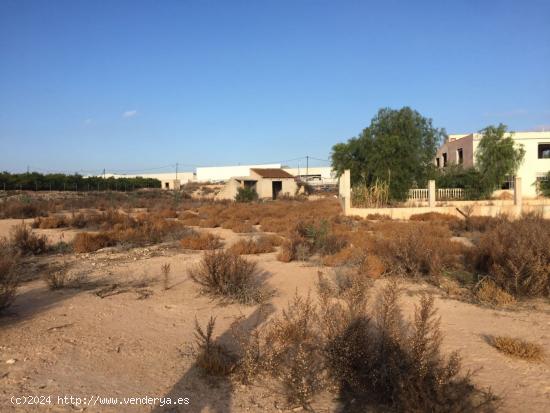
(136,343)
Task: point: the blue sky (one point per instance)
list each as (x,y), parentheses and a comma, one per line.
(136,85)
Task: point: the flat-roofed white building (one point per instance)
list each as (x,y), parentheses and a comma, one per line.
(169,180)
(315,175)
(461,149)
(225,173)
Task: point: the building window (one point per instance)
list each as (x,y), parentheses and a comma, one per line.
(541,177)
(459,156)
(445,159)
(544,150)
(508,183)
(437,162)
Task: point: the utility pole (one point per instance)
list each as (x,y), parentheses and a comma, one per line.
(307,168)
(103,173)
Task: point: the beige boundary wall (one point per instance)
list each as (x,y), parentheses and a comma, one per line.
(493,208)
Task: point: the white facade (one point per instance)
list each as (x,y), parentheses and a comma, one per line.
(321,175)
(225,173)
(535,165)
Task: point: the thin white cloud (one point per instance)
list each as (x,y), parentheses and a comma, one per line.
(129,113)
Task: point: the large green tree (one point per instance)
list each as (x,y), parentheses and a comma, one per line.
(398,147)
(497,156)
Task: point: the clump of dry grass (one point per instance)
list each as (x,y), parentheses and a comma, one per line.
(260,245)
(49,222)
(490,293)
(226,275)
(201,241)
(516,255)
(24,241)
(436,217)
(371,266)
(9,279)
(167,213)
(90,242)
(165,269)
(213,358)
(516,347)
(238,226)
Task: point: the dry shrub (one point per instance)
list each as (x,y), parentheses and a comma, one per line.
(346,256)
(251,246)
(418,248)
(193,221)
(377,360)
(9,279)
(516,347)
(209,223)
(49,222)
(60,278)
(147,230)
(243,228)
(309,238)
(167,213)
(295,248)
(436,217)
(378,217)
(226,275)
(489,293)
(89,242)
(201,241)
(24,241)
(274,225)
(384,361)
(165,269)
(260,245)
(475,223)
(213,358)
(294,354)
(23,207)
(516,254)
(371,266)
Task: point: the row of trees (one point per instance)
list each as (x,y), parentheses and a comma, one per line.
(35,181)
(398,149)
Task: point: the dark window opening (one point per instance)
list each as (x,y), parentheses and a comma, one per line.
(437,162)
(166,185)
(444,159)
(508,183)
(544,150)
(460,156)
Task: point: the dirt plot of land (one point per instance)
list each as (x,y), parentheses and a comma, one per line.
(122,334)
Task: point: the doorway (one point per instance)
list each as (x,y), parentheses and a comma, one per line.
(276,186)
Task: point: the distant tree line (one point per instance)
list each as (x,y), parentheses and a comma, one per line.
(34,181)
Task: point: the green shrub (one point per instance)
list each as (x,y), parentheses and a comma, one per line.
(246,195)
